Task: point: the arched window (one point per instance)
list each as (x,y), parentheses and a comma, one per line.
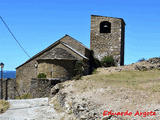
(105,27)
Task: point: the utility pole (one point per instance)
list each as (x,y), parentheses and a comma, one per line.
(2,65)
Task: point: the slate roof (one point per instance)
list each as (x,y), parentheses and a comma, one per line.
(54,44)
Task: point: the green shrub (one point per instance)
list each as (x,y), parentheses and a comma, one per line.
(41,75)
(79,68)
(107,61)
(94,71)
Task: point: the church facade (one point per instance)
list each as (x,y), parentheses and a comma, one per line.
(58,60)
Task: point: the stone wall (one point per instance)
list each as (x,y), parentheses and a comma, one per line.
(105,44)
(62,68)
(9,89)
(42,87)
(28,70)
(24,75)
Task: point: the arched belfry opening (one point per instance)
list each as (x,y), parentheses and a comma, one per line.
(105,27)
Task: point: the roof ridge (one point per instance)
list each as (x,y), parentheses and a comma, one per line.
(41,52)
(77,41)
(52,45)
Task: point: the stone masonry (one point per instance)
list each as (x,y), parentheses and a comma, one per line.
(56,68)
(58,60)
(9,88)
(107,44)
(63,49)
(42,87)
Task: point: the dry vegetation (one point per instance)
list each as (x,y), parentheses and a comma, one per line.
(117,91)
(131,87)
(4,105)
(138,80)
(130,84)
(24,96)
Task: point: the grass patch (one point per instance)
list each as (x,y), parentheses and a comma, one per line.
(24,96)
(142,80)
(4,105)
(95,71)
(155,88)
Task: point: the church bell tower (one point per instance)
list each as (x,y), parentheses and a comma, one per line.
(107,37)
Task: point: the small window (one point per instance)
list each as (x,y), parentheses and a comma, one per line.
(105,27)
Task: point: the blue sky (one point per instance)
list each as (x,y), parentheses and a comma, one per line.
(39,23)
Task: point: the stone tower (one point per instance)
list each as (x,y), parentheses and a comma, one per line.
(107,37)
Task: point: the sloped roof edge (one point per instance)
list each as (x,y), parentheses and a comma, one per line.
(38,54)
(51,46)
(74,50)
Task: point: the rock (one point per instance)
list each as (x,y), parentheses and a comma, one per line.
(55,90)
(61,98)
(140,68)
(151,67)
(83,117)
(89,104)
(80,108)
(158,67)
(154,60)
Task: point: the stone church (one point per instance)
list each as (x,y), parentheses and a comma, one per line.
(58,60)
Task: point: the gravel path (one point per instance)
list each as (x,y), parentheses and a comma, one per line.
(30,109)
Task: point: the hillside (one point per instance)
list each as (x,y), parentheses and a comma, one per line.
(131,88)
